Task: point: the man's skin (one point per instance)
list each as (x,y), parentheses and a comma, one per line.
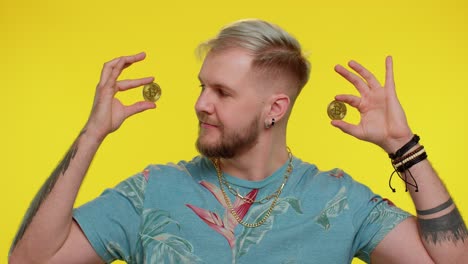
(237,101)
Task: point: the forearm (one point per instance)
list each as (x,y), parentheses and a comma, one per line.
(383,122)
(441,226)
(47,222)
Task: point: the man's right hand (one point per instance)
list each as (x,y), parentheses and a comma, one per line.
(48,233)
(108,112)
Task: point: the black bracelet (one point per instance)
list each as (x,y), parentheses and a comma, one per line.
(411,163)
(405,148)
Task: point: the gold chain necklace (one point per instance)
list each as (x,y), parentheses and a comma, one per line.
(276,194)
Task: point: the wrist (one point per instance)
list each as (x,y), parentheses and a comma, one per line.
(92,136)
(392,146)
(94,132)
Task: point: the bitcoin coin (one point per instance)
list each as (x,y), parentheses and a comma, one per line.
(151,92)
(336,110)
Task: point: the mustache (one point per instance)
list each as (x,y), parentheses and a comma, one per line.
(203,118)
(211,123)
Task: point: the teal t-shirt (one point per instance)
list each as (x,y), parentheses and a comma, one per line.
(176,213)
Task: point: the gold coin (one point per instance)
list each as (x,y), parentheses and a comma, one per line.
(151,92)
(336,110)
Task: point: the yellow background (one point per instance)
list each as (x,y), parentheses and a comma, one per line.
(51,53)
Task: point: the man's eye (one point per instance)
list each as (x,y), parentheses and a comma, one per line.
(222,92)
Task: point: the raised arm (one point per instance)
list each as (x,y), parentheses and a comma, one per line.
(48,233)
(439,224)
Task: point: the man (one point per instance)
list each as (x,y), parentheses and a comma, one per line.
(247,199)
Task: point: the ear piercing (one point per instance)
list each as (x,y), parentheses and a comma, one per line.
(272,123)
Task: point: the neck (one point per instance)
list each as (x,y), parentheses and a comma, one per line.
(257,163)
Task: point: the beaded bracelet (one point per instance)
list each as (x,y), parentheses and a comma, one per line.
(402,163)
(406,166)
(400,159)
(404,160)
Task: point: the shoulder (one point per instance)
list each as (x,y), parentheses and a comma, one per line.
(328,181)
(192,170)
(336,184)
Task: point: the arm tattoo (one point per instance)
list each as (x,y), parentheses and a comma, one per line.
(436,209)
(45,190)
(449,227)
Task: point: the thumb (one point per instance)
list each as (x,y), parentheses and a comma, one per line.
(348,128)
(138,107)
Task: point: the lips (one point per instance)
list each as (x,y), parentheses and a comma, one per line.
(207,125)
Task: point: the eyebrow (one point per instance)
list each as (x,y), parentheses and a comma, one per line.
(220,86)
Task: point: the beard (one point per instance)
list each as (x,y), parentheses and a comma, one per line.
(230,143)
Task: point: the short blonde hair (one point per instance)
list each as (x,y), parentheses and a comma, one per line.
(274,50)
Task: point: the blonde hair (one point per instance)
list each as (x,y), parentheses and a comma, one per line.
(274,50)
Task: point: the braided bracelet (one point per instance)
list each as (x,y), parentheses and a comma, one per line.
(402,163)
(405,148)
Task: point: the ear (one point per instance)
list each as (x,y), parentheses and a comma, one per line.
(277,107)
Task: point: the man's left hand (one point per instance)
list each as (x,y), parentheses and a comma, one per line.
(383,121)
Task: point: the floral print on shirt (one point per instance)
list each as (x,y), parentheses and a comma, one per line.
(225,226)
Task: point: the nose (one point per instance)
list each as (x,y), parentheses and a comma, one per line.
(204,103)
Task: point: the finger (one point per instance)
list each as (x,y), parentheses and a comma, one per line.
(106,69)
(115,73)
(389,77)
(348,128)
(110,66)
(138,107)
(367,75)
(128,84)
(352,100)
(123,63)
(360,85)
